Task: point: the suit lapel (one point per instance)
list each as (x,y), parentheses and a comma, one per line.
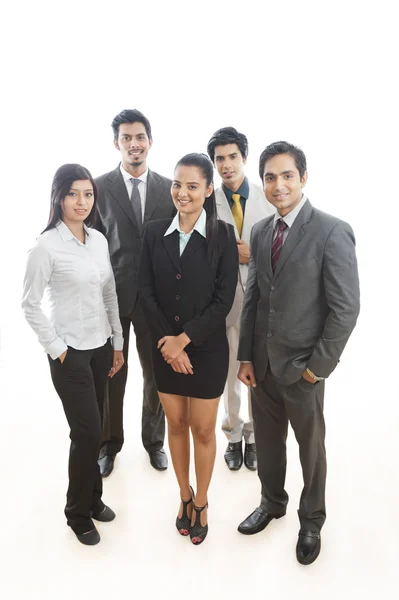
(224,210)
(267,246)
(153,196)
(117,189)
(194,243)
(250,215)
(294,236)
(289,245)
(171,242)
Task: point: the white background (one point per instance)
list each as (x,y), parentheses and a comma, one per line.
(321,75)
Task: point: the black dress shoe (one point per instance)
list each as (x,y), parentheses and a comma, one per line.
(105,515)
(91,538)
(158,459)
(233,456)
(106,464)
(257,521)
(308,546)
(250,460)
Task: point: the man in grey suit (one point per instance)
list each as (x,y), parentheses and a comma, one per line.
(129,197)
(242,204)
(300,307)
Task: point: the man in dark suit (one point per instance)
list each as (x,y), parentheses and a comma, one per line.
(129,197)
(300,307)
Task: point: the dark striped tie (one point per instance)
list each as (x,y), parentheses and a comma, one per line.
(278,242)
(136,201)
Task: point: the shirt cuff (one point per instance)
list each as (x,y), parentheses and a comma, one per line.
(56,348)
(246,362)
(117,342)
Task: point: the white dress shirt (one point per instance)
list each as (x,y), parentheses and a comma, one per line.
(142,186)
(83,306)
(199,226)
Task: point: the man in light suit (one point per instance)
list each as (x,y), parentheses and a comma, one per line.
(129,197)
(301,304)
(242,204)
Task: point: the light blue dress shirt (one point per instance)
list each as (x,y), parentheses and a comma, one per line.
(200,226)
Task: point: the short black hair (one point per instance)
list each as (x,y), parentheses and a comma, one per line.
(224,136)
(62,182)
(283,148)
(130,116)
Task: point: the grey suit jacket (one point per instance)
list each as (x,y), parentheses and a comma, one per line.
(256,208)
(302,314)
(116,220)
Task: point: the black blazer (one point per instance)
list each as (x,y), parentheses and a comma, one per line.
(186,293)
(116,220)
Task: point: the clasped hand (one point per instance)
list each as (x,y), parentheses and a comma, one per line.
(182,364)
(172,350)
(171,346)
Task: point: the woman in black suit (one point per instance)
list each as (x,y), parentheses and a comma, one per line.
(187,280)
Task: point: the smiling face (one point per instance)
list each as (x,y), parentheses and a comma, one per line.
(78,203)
(133,144)
(189,190)
(282,183)
(230,165)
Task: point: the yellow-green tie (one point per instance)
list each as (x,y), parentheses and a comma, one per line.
(237,212)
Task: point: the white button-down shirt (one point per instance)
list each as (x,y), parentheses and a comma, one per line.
(142,186)
(199,226)
(83,306)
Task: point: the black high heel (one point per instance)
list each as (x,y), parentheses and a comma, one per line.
(198,530)
(183,524)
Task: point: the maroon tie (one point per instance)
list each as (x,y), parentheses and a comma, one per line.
(278,242)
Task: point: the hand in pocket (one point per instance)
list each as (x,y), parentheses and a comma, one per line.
(62,356)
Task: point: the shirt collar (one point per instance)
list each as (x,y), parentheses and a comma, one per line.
(200,225)
(243,190)
(66,234)
(291,216)
(127,177)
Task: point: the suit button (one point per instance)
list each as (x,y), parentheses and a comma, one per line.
(177,297)
(178,276)
(269,335)
(271,311)
(273,288)
(177,318)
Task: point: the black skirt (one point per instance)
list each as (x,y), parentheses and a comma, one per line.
(210,363)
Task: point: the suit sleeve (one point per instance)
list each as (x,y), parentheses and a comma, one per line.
(156,320)
(341,287)
(214,315)
(248,314)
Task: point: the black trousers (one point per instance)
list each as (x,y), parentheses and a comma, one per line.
(301,404)
(80,382)
(153,418)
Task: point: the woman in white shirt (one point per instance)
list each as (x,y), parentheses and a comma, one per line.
(70,262)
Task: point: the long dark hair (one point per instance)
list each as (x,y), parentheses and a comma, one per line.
(202,162)
(62,182)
